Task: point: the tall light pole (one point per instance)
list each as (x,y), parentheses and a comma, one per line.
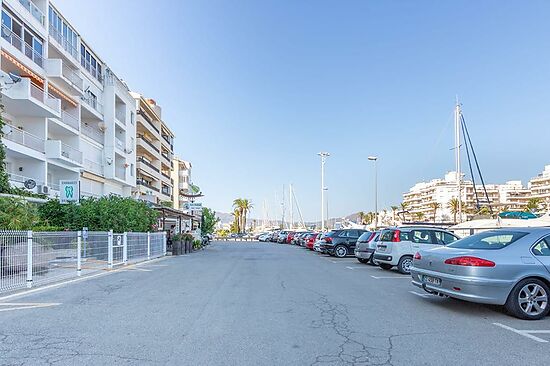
(324,156)
(375,158)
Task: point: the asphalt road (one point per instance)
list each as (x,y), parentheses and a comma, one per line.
(259,304)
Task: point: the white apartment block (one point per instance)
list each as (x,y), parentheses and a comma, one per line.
(421,196)
(540,186)
(181,175)
(67,115)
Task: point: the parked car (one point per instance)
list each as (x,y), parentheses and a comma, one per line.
(310,240)
(397,246)
(274,236)
(299,237)
(509,267)
(318,241)
(289,237)
(281,238)
(264,237)
(365,247)
(340,243)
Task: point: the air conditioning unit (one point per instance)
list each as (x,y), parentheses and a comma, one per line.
(43,189)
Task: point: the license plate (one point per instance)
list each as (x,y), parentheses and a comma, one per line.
(432,280)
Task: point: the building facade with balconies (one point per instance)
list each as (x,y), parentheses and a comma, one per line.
(181,176)
(539,186)
(154,153)
(67,116)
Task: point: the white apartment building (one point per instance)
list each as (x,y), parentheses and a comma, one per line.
(181,175)
(67,115)
(421,196)
(540,186)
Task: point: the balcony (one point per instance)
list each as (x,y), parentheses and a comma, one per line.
(22,46)
(34,11)
(93,167)
(94,107)
(141,160)
(21,137)
(147,120)
(120,116)
(26,99)
(144,183)
(63,75)
(148,143)
(94,133)
(65,45)
(119,144)
(56,149)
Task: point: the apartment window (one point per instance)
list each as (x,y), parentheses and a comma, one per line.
(90,62)
(92,98)
(63,33)
(132,117)
(22,38)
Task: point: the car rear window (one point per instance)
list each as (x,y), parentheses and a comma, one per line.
(331,234)
(365,236)
(387,235)
(488,240)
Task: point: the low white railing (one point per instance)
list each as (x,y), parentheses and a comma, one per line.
(38,93)
(24,138)
(33,9)
(93,166)
(93,133)
(119,143)
(71,153)
(72,76)
(94,104)
(69,119)
(29,259)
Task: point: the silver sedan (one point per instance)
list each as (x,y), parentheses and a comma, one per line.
(509,267)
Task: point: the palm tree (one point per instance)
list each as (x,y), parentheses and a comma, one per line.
(419,216)
(236,220)
(404,207)
(533,204)
(246,206)
(361,216)
(393,212)
(435,206)
(454,206)
(238,212)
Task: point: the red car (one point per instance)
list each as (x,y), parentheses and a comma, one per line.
(310,240)
(289,237)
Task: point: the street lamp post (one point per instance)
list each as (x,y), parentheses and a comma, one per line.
(324,156)
(375,158)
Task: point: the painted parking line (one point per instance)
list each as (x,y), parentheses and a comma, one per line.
(526,333)
(9,306)
(391,277)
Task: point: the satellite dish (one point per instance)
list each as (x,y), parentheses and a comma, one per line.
(29,184)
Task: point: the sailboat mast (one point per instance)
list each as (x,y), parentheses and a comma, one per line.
(291,207)
(457,159)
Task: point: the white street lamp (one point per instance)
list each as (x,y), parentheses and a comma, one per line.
(375,158)
(324,156)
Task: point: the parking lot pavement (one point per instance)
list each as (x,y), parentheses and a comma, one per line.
(260,304)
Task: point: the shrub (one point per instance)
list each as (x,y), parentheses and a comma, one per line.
(17,214)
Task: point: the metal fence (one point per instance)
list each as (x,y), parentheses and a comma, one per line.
(30,259)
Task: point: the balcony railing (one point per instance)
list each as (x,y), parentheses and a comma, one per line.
(24,138)
(33,9)
(120,116)
(92,102)
(71,153)
(18,43)
(166,175)
(149,143)
(94,71)
(166,190)
(69,119)
(63,42)
(119,144)
(93,166)
(146,117)
(142,160)
(72,76)
(93,133)
(141,182)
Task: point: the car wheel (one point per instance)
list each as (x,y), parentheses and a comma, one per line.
(340,251)
(385,266)
(528,299)
(404,265)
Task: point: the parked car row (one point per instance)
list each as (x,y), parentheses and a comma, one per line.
(508,267)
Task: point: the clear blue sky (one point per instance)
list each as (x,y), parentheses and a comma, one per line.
(254,89)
